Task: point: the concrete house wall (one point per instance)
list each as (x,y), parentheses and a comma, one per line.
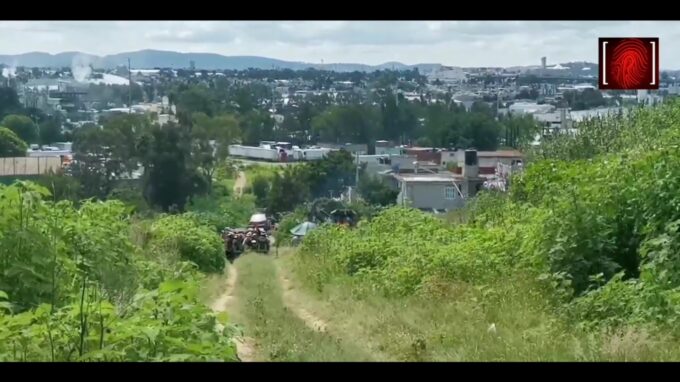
(429,195)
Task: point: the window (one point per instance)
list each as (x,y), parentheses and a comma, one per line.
(450,193)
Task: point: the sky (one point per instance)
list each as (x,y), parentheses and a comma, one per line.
(455,43)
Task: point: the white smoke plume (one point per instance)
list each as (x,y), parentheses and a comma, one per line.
(80,68)
(9,72)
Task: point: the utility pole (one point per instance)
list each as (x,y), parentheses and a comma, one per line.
(129,86)
(356,178)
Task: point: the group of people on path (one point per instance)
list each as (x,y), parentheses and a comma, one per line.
(237,241)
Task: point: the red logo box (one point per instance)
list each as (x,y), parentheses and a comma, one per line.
(629,63)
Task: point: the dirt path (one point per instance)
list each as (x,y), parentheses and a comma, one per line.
(310,311)
(294,302)
(240,184)
(284,328)
(226,302)
(222,302)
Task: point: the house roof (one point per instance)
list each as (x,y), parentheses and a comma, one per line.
(500,154)
(427,178)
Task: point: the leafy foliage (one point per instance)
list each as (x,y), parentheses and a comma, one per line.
(261,188)
(73,287)
(10,144)
(169,180)
(592,223)
(22,126)
(210,140)
(185,237)
(288,190)
(375,191)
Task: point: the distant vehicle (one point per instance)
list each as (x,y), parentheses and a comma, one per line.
(260,220)
(278,152)
(344,217)
(284,145)
(252,152)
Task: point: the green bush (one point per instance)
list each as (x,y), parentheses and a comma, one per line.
(131,196)
(42,245)
(164,324)
(260,187)
(289,221)
(75,287)
(185,237)
(399,248)
(61,186)
(10,144)
(221,212)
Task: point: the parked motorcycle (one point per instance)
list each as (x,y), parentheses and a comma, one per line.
(263,244)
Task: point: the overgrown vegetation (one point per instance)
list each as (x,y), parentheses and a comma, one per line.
(74,286)
(281,336)
(10,144)
(590,229)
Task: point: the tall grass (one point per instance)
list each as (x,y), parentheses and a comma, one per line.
(280,335)
(508,320)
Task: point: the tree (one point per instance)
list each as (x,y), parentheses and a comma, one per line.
(287,190)
(102,155)
(375,191)
(211,138)
(256,126)
(169,180)
(519,130)
(527,94)
(390,117)
(348,123)
(399,117)
(195,99)
(50,131)
(10,144)
(290,127)
(261,188)
(423,142)
(94,165)
(586,99)
(23,126)
(244,97)
(9,101)
(457,128)
(482,108)
(305,115)
(123,132)
(438,121)
(333,174)
(479,131)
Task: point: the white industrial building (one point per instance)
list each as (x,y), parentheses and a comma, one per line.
(530,108)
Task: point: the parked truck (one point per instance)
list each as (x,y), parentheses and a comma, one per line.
(279,151)
(252,152)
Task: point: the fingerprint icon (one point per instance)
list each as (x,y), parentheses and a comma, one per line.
(629,63)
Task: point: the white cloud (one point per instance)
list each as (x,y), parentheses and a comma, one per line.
(465,43)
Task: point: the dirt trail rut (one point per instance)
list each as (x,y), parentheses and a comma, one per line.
(222,302)
(226,302)
(293,301)
(298,302)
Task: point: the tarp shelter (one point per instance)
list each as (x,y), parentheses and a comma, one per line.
(303,229)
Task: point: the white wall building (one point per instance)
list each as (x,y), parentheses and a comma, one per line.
(530,108)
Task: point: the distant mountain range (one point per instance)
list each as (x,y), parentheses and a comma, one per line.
(145,59)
